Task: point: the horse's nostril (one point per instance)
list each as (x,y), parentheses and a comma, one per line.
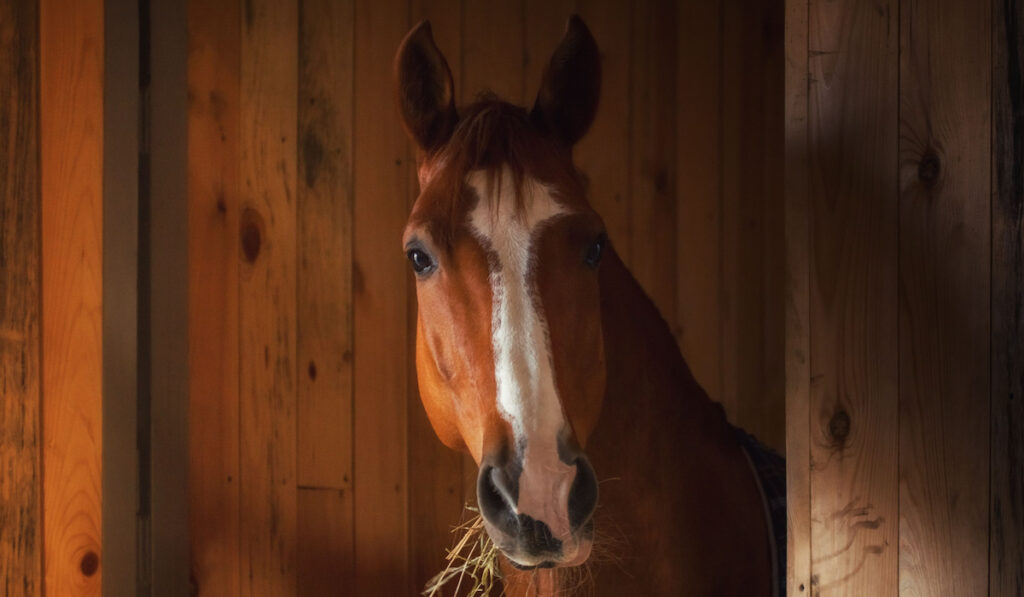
(496,504)
(582,494)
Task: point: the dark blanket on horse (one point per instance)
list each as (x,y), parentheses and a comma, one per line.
(770,472)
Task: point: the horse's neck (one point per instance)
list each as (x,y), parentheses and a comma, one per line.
(645,367)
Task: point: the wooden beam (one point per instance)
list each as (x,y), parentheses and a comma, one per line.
(21,546)
(1006,519)
(852,192)
(214,208)
(267,297)
(71,152)
(797,305)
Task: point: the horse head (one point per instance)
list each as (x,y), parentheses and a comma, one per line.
(506,250)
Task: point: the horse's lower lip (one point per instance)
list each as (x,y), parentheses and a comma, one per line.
(518,566)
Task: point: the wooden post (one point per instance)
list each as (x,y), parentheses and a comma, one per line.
(21,546)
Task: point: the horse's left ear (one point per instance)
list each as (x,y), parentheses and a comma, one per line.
(567,101)
(426,93)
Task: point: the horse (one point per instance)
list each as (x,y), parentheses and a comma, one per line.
(539,354)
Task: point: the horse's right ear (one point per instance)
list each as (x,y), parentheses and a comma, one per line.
(426,93)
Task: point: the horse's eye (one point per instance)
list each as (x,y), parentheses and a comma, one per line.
(594,252)
(420,260)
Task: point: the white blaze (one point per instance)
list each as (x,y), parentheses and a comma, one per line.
(527,396)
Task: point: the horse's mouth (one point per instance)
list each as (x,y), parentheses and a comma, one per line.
(544,564)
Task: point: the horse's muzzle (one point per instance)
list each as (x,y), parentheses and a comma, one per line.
(552,530)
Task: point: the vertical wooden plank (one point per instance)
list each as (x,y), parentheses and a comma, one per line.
(751,334)
(325,550)
(797,305)
(852,155)
(71,154)
(267,297)
(325,356)
(493,52)
(944,260)
(652,132)
(436,498)
(767,398)
(213,213)
(381,303)
(603,154)
(1006,519)
(325,244)
(699,191)
(21,546)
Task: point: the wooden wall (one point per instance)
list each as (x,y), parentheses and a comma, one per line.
(312,463)
(904,195)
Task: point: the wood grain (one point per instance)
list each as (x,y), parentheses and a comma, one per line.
(797,305)
(944,255)
(326,556)
(267,297)
(325,550)
(382,342)
(652,157)
(699,190)
(21,546)
(603,154)
(852,156)
(214,212)
(71,153)
(1006,519)
(436,494)
(494,51)
(325,244)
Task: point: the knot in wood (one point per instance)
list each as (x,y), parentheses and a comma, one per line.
(252,234)
(928,168)
(90,563)
(839,428)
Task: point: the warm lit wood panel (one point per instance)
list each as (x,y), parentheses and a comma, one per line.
(1006,518)
(21,547)
(325,244)
(852,153)
(944,256)
(213,212)
(267,297)
(71,154)
(698,192)
(797,306)
(379,287)
(325,353)
(652,155)
(436,497)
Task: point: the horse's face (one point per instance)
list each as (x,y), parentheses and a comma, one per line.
(505,247)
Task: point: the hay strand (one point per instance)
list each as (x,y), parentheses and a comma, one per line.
(474,556)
